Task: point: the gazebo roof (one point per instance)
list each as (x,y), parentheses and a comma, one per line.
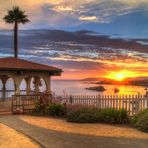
(14,64)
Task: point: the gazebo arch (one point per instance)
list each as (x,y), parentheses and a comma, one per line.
(23,86)
(22,70)
(10,84)
(10,88)
(43,86)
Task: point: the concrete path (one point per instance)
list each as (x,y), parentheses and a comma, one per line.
(10,138)
(53,139)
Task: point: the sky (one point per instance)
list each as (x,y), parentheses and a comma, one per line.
(89,38)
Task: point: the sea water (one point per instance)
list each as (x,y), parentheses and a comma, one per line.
(71,87)
(79,88)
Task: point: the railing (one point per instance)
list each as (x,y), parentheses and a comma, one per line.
(24,103)
(132,103)
(7,95)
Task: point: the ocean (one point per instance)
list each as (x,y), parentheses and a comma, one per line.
(72,87)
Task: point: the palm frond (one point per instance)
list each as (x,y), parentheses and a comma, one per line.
(16,15)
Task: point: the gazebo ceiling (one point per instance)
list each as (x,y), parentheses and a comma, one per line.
(16,64)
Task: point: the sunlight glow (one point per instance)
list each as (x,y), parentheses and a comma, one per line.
(121,75)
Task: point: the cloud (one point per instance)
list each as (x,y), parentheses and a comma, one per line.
(59,13)
(88,18)
(78,53)
(63,8)
(79,47)
(133,2)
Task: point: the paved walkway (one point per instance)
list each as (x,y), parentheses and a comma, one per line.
(10,138)
(95,129)
(54,139)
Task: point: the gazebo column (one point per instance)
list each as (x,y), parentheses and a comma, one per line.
(47,81)
(4,80)
(4,90)
(17,81)
(28,81)
(37,84)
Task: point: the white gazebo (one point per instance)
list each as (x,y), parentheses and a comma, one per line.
(19,69)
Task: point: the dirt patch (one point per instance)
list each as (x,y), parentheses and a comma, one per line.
(85,129)
(11,138)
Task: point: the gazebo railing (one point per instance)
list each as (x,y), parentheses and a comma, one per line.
(24,103)
(7,95)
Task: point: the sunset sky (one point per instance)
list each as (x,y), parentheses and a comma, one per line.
(86,38)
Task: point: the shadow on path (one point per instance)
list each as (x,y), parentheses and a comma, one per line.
(53,139)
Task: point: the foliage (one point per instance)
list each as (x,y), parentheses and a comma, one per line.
(39,108)
(140,120)
(87,118)
(41,105)
(90,115)
(111,115)
(72,108)
(16,15)
(137,116)
(55,110)
(83,115)
(142,123)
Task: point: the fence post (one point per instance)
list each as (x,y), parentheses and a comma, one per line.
(70,99)
(99,101)
(137,103)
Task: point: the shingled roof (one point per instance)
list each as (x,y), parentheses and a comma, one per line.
(12,63)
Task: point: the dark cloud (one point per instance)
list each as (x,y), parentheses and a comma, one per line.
(75,51)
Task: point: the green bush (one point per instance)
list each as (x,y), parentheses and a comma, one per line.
(140,120)
(83,115)
(111,115)
(91,115)
(142,123)
(39,108)
(137,116)
(87,118)
(55,110)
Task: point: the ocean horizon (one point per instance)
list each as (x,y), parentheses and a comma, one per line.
(77,87)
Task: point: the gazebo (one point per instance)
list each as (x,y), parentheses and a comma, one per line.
(20,69)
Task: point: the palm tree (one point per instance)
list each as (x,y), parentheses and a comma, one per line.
(16,16)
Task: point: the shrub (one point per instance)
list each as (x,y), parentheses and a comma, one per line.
(55,110)
(140,120)
(71,108)
(142,123)
(90,115)
(87,118)
(83,115)
(39,108)
(111,115)
(136,117)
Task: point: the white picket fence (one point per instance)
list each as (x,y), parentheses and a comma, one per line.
(132,103)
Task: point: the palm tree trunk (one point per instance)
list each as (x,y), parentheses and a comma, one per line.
(16,39)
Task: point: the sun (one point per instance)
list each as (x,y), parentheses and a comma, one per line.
(121,75)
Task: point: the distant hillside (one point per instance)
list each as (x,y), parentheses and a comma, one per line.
(91,79)
(139,81)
